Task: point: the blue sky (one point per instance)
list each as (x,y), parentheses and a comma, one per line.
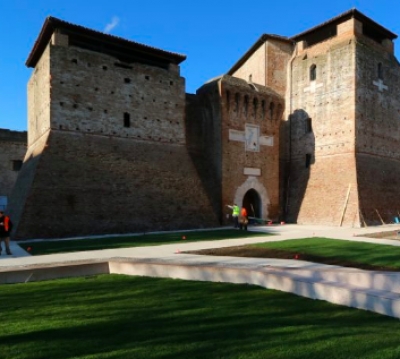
(212,34)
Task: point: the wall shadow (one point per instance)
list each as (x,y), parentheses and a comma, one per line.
(298,157)
(203,142)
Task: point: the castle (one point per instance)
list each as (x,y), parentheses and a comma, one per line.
(302,129)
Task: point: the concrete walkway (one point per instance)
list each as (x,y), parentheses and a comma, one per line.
(369,290)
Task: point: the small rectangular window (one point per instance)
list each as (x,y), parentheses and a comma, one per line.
(127,120)
(16,165)
(308,160)
(308,125)
(313,72)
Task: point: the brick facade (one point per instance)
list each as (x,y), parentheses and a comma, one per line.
(339,135)
(107,146)
(237,131)
(377,131)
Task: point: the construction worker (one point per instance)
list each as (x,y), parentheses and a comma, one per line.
(243,220)
(235,215)
(5,229)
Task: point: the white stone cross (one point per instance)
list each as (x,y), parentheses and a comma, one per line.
(251,137)
(380,85)
(313,87)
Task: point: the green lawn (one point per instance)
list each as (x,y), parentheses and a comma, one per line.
(50,247)
(113,316)
(340,250)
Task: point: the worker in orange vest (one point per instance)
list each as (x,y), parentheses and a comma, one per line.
(5,229)
(243,220)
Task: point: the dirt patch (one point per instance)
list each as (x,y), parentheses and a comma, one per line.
(395,234)
(254,252)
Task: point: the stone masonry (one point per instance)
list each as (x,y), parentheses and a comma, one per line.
(107,141)
(235,125)
(339,135)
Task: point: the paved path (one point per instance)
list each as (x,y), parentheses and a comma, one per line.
(375,291)
(282,232)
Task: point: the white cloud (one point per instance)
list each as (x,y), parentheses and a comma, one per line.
(111,25)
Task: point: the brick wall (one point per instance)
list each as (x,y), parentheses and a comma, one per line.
(39,98)
(91,173)
(278,55)
(217,132)
(267,65)
(90,184)
(318,193)
(254,67)
(92,93)
(203,131)
(243,168)
(378,132)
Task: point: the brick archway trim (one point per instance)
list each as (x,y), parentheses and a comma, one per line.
(253,183)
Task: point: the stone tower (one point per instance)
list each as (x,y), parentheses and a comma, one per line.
(343,124)
(235,124)
(339,137)
(107,144)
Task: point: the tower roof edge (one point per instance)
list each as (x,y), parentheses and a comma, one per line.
(52,24)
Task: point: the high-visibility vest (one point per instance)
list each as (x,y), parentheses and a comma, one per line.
(235,211)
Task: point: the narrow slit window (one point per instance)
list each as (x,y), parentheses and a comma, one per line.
(380,71)
(271,110)
(127,120)
(246,105)
(308,160)
(263,108)
(313,72)
(255,105)
(228,99)
(308,125)
(279,112)
(237,99)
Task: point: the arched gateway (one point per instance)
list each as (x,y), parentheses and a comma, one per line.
(252,203)
(254,197)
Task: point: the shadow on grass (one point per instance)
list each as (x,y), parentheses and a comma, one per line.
(130,317)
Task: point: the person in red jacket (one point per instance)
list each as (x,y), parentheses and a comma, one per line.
(243,220)
(5,229)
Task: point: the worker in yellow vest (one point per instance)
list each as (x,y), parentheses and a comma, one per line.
(235,215)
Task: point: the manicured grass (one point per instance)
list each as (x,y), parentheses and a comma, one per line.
(50,247)
(113,316)
(345,251)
